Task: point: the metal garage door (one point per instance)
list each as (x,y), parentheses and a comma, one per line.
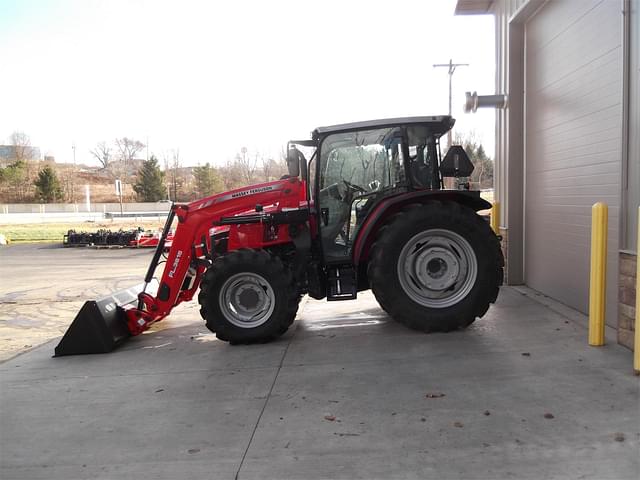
(573,126)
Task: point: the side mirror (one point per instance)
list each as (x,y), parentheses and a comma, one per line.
(293,161)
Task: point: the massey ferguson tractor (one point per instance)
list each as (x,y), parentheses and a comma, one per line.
(367,210)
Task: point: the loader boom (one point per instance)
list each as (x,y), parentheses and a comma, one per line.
(244,212)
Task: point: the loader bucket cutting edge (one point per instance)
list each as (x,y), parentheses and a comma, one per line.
(101,325)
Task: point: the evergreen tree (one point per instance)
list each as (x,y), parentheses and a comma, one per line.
(14,181)
(48,187)
(208,181)
(150,183)
(482,176)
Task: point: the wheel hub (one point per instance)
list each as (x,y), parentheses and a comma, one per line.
(248,297)
(247,300)
(437,268)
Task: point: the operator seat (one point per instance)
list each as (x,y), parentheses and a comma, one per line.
(419,169)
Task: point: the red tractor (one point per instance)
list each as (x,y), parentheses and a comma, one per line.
(367,211)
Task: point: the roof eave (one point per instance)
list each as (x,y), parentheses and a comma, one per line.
(473,7)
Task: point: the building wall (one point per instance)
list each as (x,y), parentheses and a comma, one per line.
(629,242)
(631,153)
(587,93)
(573,144)
(627,299)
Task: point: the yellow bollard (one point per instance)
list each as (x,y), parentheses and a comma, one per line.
(636,345)
(495,218)
(598,280)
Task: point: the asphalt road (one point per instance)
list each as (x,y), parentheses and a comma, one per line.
(43,285)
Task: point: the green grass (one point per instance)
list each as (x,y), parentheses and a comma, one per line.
(32,233)
(44,232)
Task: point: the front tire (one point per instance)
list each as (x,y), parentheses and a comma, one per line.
(248,296)
(436,267)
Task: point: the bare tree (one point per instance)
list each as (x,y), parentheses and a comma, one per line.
(231,175)
(22,148)
(273,169)
(128,148)
(268,165)
(102,153)
(172,166)
(24,154)
(248,164)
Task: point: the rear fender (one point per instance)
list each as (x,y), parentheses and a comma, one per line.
(391,205)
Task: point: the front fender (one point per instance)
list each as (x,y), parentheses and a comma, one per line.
(390,205)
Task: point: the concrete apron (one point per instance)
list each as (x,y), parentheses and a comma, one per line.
(347,393)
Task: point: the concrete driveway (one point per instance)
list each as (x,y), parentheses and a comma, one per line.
(346,393)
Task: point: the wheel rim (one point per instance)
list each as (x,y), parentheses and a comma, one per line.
(437,268)
(247,300)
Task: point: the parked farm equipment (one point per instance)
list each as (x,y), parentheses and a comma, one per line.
(139,238)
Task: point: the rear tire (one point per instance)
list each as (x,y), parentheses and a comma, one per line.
(248,296)
(436,267)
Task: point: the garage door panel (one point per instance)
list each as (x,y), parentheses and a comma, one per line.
(572,284)
(586,126)
(592,176)
(583,77)
(589,173)
(550,24)
(591,154)
(556,110)
(562,56)
(606,119)
(573,115)
(556,53)
(566,193)
(557,233)
(548,183)
(569,140)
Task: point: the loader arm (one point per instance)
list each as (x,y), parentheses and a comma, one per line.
(243,211)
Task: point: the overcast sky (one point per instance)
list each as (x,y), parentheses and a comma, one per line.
(211,77)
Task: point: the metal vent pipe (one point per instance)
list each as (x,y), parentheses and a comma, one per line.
(473,101)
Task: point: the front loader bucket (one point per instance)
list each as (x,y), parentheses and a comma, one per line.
(100,325)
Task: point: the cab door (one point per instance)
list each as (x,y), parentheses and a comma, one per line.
(356,169)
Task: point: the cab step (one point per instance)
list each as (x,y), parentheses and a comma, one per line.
(341,283)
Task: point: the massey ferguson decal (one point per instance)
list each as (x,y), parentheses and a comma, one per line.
(253,191)
(176,261)
(243,193)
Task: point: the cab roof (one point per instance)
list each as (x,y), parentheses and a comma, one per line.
(439,125)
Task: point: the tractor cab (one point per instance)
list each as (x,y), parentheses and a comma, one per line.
(357,165)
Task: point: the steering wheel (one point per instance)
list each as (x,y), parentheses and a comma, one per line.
(356,188)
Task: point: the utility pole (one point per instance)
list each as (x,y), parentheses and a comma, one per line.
(73,174)
(452,68)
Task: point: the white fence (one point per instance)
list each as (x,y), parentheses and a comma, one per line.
(79,212)
(82,207)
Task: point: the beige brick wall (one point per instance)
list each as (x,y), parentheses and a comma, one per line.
(626,299)
(505,246)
